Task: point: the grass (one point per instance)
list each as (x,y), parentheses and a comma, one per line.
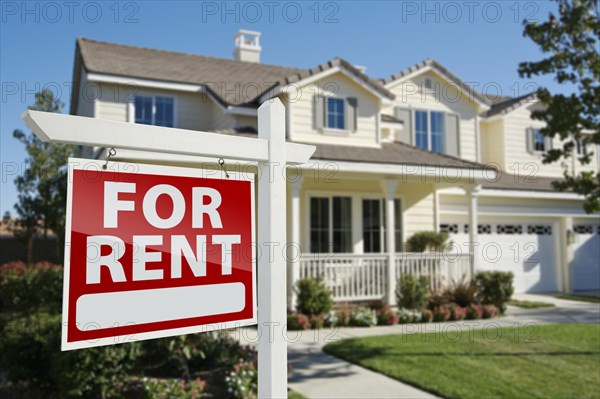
(295,395)
(581,298)
(530,304)
(553,361)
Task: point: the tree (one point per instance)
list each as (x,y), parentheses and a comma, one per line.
(571,43)
(42,186)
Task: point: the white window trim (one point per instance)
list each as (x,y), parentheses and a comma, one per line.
(131,107)
(533,150)
(330,219)
(382,220)
(429,135)
(334,130)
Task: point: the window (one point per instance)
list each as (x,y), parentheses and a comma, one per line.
(428,84)
(335,113)
(374,219)
(330,224)
(158,111)
(421,129)
(539,141)
(437,132)
(581,147)
(430,128)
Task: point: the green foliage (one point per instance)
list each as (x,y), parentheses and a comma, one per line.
(157,388)
(495,288)
(314,298)
(412,292)
(386,316)
(31,357)
(427,240)
(571,43)
(242,381)
(42,186)
(298,321)
(25,288)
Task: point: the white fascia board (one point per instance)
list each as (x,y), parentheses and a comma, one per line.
(524,214)
(454,175)
(155,84)
(515,194)
(241,111)
(395,126)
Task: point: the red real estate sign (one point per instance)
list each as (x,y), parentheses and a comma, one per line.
(154,251)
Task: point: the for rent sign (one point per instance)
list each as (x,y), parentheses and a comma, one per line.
(156,252)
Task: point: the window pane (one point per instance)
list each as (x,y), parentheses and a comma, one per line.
(372,228)
(342,224)
(164,112)
(421,129)
(143,110)
(335,113)
(539,143)
(319,225)
(437,132)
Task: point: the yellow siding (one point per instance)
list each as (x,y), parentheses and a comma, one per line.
(338,85)
(526,164)
(492,144)
(444,98)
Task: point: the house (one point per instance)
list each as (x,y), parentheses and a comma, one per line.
(420,150)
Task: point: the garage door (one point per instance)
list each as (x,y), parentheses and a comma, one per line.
(528,250)
(585,269)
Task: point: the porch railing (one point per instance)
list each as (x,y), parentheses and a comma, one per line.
(353,277)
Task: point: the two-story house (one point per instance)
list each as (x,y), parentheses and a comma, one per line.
(418,151)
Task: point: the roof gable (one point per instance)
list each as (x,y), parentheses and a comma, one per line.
(432,65)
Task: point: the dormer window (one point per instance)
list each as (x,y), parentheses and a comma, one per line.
(537,143)
(335,113)
(428,84)
(155,110)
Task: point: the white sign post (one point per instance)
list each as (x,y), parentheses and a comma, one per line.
(272,154)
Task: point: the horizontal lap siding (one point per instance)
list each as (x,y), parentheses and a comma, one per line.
(302,119)
(528,164)
(492,144)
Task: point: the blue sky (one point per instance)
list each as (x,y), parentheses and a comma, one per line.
(481,42)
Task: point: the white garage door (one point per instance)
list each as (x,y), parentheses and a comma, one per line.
(585,269)
(528,250)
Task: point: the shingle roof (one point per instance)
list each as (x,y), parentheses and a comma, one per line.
(222,77)
(508,104)
(434,64)
(507,181)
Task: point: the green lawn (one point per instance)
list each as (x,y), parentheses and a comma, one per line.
(555,361)
(581,298)
(530,304)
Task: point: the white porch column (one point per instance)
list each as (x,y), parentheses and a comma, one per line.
(389,188)
(473,193)
(294,248)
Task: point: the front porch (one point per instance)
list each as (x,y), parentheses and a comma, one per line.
(367,277)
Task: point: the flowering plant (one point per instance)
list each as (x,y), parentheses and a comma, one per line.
(242,381)
(386,316)
(363,317)
(155,388)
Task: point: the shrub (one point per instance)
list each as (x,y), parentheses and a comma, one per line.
(437,299)
(298,321)
(363,317)
(317,321)
(157,388)
(409,316)
(427,240)
(495,288)
(344,315)
(412,292)
(462,292)
(441,313)
(386,316)
(489,311)
(314,298)
(242,381)
(426,315)
(457,312)
(25,288)
(331,319)
(474,312)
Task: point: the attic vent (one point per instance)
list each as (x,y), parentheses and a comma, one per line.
(428,84)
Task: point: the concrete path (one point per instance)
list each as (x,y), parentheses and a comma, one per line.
(317,375)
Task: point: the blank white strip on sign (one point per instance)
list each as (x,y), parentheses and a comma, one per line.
(115,309)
